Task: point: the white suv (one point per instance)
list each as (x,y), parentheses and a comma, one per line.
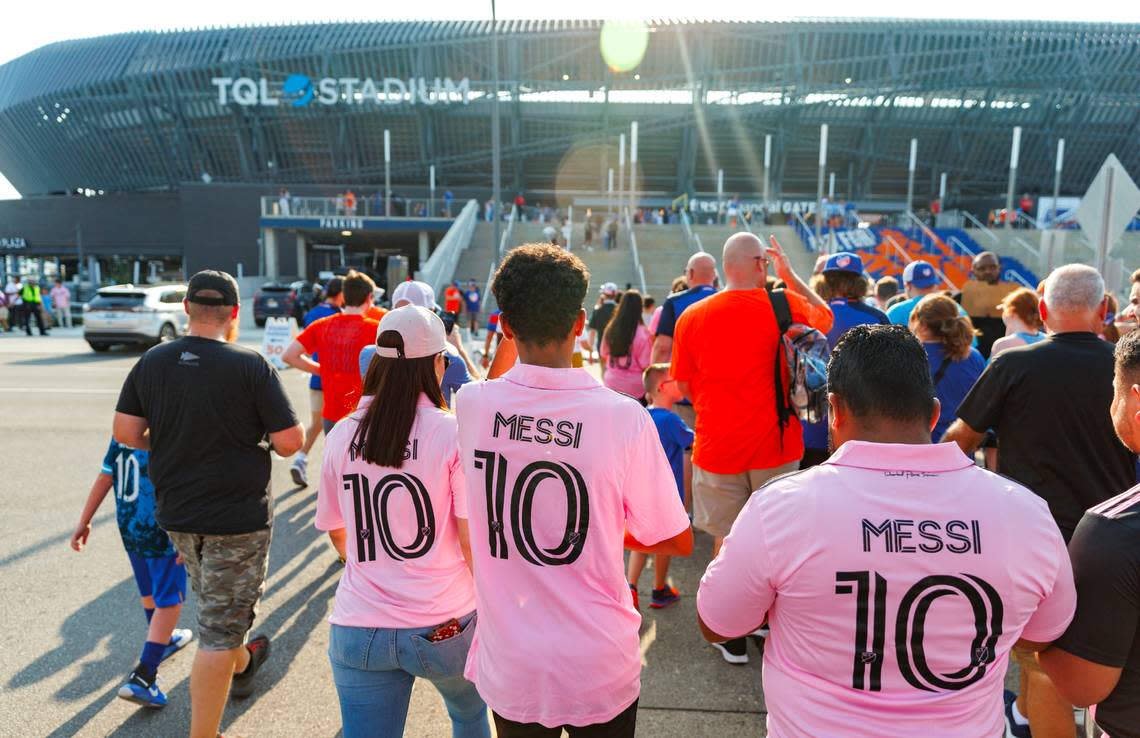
(144,315)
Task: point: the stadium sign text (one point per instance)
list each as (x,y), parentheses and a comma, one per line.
(299,91)
(13,243)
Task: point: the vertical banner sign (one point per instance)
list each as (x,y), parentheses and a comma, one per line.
(279,334)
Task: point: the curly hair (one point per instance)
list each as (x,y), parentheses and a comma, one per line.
(540,289)
(1128,357)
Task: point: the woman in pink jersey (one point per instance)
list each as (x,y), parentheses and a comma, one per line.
(405,606)
(626,347)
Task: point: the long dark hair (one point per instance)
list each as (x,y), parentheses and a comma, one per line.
(623,325)
(395,386)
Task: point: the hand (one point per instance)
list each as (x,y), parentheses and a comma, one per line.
(178,558)
(486,362)
(79,537)
(779,258)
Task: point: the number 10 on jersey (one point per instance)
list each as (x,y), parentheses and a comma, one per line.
(910,627)
(521,521)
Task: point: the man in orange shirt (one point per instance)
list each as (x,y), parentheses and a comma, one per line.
(724,351)
(453,299)
(338,340)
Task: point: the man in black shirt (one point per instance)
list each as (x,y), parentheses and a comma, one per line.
(601,317)
(1097,660)
(1049,405)
(204,407)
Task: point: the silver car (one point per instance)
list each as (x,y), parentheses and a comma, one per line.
(144,315)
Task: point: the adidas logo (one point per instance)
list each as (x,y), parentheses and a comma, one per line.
(188,359)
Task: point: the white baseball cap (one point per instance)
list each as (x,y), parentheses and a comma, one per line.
(415,293)
(420,328)
(609,288)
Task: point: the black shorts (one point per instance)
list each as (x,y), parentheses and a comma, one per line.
(621,726)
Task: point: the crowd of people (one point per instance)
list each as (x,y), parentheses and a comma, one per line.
(859,531)
(24,302)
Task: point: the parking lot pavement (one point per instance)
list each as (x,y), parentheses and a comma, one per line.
(72,626)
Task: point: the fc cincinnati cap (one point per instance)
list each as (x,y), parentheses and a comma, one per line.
(920,274)
(844,261)
(209,281)
(421,330)
(415,293)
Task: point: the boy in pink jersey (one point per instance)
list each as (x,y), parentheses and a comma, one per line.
(561,473)
(897,576)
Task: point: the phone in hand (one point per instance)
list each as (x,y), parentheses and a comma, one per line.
(449,320)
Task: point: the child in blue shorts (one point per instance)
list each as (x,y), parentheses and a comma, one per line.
(661,393)
(161,578)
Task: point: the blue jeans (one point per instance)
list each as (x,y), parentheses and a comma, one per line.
(374,670)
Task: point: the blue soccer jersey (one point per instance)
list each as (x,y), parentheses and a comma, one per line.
(134,502)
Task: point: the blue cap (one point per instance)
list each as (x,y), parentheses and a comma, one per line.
(920,274)
(844,261)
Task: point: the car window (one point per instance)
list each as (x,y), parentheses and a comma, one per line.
(117,300)
(173,297)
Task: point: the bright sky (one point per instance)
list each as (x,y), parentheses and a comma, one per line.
(29,25)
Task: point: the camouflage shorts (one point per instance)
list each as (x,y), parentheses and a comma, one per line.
(228,575)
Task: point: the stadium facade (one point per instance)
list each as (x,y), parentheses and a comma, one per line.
(178,134)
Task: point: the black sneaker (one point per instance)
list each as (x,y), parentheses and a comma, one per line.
(258,651)
(734,651)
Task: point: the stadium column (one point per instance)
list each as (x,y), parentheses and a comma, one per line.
(302,262)
(269,241)
(425,248)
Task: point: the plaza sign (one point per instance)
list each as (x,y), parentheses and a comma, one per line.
(299,91)
(11,244)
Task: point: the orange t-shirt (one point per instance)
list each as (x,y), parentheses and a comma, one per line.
(725,348)
(452,299)
(375,313)
(338,340)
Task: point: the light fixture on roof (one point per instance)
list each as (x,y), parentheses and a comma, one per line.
(637,76)
(847,80)
(565,77)
(346,233)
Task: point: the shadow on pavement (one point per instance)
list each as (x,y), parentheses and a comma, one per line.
(82,631)
(88,357)
(56,540)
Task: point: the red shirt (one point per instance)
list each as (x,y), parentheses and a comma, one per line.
(452,299)
(725,348)
(338,339)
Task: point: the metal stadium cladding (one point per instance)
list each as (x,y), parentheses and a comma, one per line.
(292,104)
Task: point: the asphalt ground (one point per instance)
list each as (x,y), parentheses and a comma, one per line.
(71,627)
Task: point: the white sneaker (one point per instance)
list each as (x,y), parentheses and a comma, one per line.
(734,651)
(299,470)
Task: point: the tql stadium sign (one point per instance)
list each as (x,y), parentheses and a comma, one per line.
(300,90)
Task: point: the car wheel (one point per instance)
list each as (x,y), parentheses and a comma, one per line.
(100,347)
(167,333)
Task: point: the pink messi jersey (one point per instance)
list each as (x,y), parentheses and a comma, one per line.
(404,567)
(557,468)
(896,578)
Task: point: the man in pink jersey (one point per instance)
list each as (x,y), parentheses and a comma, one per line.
(896,576)
(561,472)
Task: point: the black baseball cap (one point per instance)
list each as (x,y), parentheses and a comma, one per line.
(209,280)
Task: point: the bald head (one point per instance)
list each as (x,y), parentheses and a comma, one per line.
(744,269)
(987,267)
(701,270)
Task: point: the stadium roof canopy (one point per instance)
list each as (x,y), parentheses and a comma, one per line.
(309,104)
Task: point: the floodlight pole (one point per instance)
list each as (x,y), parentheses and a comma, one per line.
(831,186)
(632,167)
(910,176)
(1014,152)
(1057,181)
(610,190)
(819,188)
(719,191)
(431,189)
(767,166)
(621,170)
(496,153)
(387,174)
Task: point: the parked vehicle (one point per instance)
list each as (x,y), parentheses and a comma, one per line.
(276,300)
(144,315)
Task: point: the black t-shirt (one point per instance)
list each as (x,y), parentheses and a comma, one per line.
(1106,629)
(601,318)
(991,329)
(1049,404)
(209,406)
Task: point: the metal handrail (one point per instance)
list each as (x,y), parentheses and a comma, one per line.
(506,237)
(693,240)
(806,233)
(633,250)
(902,252)
(980,225)
(1012,276)
(961,245)
(439,269)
